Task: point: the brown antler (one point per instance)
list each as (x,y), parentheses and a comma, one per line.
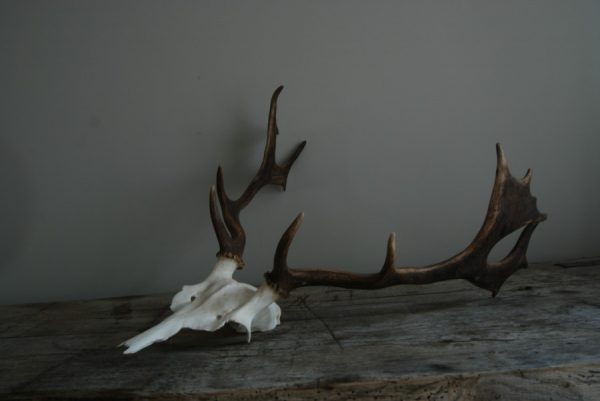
(229,230)
(511,207)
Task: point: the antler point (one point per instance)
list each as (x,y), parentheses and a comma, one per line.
(527,178)
(277,92)
(500,156)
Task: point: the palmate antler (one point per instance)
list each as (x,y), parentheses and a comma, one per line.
(511,207)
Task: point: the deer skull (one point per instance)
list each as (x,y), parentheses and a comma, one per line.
(211,304)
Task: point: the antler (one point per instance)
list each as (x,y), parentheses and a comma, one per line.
(229,230)
(511,207)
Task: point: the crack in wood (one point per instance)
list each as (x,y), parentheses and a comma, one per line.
(327,328)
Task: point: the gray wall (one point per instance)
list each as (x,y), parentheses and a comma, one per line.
(115,115)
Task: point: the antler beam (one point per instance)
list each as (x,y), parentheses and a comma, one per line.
(511,207)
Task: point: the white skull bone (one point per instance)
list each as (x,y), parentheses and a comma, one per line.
(211,304)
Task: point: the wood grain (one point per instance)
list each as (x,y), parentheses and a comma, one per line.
(538,340)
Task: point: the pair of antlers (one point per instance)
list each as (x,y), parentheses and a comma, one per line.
(511,207)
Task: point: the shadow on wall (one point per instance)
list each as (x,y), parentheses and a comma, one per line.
(241,155)
(15,204)
(160,237)
(155,234)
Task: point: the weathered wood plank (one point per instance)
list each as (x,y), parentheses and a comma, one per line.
(545,322)
(569,383)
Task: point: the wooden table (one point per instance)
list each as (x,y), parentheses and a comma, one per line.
(538,340)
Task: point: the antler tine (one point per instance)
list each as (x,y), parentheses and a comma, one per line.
(390,256)
(511,207)
(286,240)
(272,129)
(232,240)
(526,180)
(279,278)
(217,220)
